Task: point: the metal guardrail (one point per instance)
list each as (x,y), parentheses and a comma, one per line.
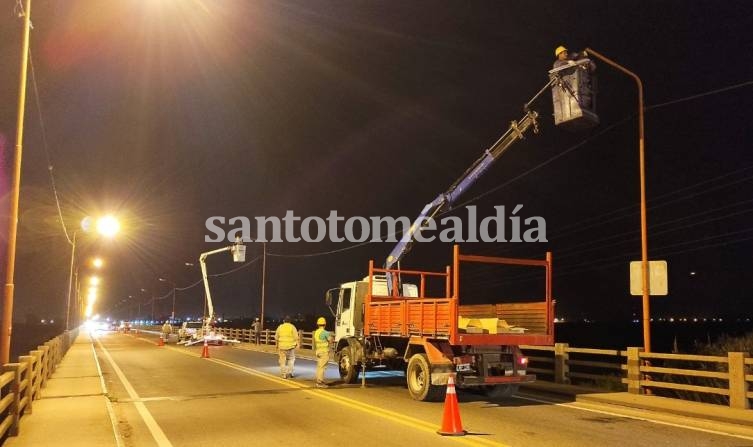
(21,382)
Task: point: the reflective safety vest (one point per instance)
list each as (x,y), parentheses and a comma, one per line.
(287,336)
(321,344)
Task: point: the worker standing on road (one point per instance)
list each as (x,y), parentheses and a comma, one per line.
(167,329)
(256,328)
(286,337)
(321,349)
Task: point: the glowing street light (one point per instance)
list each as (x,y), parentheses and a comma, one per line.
(98,263)
(106,226)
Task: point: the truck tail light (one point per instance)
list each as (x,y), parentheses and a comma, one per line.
(523,361)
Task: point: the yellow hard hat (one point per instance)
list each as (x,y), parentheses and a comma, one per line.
(559,50)
(321,322)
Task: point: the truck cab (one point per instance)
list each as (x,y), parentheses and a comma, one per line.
(349,300)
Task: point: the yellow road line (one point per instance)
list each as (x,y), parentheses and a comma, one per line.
(351,403)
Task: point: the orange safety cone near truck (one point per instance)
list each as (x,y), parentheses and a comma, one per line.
(161,341)
(205,350)
(451,425)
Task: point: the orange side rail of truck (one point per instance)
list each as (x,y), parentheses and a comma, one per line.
(438,317)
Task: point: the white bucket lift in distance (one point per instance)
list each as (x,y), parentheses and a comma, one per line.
(238,251)
(574,95)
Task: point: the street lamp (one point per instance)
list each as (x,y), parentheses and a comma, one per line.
(106,226)
(6,323)
(644,225)
(91,297)
(263,283)
(175,287)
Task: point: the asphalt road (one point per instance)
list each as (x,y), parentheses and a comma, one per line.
(170,396)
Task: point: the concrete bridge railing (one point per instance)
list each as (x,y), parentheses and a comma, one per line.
(649,373)
(21,382)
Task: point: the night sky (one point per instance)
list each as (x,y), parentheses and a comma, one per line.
(167,112)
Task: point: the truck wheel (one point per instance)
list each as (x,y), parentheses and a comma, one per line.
(418,377)
(347,367)
(501,391)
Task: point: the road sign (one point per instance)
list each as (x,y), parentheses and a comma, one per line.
(657,278)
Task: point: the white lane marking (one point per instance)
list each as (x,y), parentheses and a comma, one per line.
(351,403)
(639,418)
(110,410)
(151,424)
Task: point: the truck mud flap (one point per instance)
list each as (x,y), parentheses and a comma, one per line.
(440,374)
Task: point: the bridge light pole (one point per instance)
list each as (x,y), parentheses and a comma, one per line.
(6,325)
(106,226)
(644,236)
(175,288)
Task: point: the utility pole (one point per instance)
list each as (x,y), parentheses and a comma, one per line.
(7,319)
(175,288)
(644,224)
(70,283)
(263,281)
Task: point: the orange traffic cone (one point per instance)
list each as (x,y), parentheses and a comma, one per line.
(161,341)
(205,350)
(451,425)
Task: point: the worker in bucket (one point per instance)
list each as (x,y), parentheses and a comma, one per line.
(321,350)
(564,57)
(286,337)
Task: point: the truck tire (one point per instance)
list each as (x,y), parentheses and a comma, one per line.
(346,365)
(418,377)
(500,391)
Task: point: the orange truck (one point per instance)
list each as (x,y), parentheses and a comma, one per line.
(384,322)
(430,338)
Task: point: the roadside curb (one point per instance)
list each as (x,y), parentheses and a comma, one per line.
(697,410)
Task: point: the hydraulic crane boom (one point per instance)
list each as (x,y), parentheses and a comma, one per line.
(445,200)
(239,255)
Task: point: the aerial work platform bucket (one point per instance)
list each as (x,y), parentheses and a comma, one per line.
(574,95)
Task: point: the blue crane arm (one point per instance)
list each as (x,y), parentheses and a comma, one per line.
(445,200)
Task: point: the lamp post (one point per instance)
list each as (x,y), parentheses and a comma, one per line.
(644,237)
(175,288)
(143,291)
(106,226)
(6,325)
(263,282)
(70,281)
